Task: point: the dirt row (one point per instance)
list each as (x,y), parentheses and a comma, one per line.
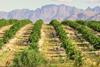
(4,29)
(85,47)
(16,44)
(50,47)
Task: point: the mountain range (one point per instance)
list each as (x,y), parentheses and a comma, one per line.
(49,12)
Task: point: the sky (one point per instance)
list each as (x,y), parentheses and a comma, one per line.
(8,5)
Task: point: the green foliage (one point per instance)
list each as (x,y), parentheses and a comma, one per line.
(88,35)
(28,58)
(35,35)
(12,31)
(95,25)
(67,43)
(72,24)
(86,32)
(4,22)
(31,56)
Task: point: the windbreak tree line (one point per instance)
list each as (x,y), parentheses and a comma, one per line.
(86,33)
(67,43)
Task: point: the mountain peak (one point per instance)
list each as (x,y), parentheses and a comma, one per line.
(52,11)
(89,8)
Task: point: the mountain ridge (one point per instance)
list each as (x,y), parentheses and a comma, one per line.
(49,12)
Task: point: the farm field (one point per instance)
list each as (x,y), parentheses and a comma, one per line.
(57,44)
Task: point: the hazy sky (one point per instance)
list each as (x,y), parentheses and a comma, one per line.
(7,5)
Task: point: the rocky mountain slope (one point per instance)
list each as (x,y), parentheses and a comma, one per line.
(49,12)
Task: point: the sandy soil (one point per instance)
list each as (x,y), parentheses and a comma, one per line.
(50,46)
(4,29)
(9,50)
(91,57)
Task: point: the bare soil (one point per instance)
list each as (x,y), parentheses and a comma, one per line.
(91,57)
(50,47)
(14,45)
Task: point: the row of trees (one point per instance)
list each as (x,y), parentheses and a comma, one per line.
(95,25)
(67,44)
(4,22)
(31,57)
(35,36)
(12,31)
(86,33)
